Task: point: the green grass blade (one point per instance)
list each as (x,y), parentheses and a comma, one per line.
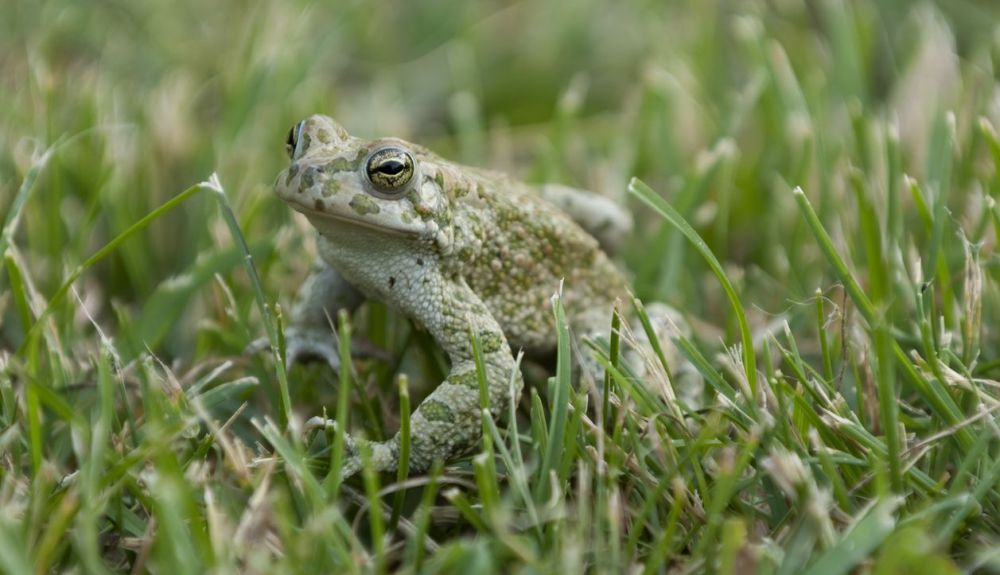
(859,542)
(404,450)
(333,479)
(270,326)
(943,404)
(559,405)
(648,196)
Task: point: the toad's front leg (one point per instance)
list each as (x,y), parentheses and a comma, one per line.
(310,332)
(447,423)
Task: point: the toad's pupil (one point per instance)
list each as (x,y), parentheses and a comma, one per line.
(392,167)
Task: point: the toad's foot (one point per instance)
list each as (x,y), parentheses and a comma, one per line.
(307,344)
(383,456)
(445,425)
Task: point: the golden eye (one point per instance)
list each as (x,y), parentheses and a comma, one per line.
(389,169)
(292,141)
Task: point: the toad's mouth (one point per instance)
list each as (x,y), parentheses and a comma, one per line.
(326,220)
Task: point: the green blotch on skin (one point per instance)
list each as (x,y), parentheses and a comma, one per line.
(330,188)
(491,341)
(309,177)
(323,136)
(444,218)
(343,163)
(433,410)
(306,141)
(423,211)
(293,171)
(364,205)
(413,197)
(468,379)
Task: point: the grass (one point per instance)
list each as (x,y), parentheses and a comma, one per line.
(815,188)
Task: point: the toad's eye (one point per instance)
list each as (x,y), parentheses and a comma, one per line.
(389,169)
(292,141)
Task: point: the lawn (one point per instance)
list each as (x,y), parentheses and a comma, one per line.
(814,186)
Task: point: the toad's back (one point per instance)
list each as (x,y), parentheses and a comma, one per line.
(514,249)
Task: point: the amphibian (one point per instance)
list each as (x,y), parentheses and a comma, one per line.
(455,249)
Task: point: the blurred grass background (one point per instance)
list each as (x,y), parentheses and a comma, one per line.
(585,94)
(721,106)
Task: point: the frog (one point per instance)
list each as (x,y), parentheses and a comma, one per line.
(461,251)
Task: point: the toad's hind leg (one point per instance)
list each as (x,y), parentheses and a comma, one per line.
(637,350)
(603,218)
(447,423)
